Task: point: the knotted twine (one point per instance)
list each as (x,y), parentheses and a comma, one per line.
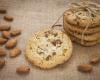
(91,8)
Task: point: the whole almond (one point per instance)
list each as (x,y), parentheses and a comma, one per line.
(2,63)
(15,32)
(3,11)
(2,52)
(95,60)
(11,43)
(85,67)
(15,52)
(6,34)
(4,27)
(2,41)
(8,18)
(23,69)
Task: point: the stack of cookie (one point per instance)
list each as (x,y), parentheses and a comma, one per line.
(82,23)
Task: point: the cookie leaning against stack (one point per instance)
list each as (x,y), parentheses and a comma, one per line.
(48,48)
(82,23)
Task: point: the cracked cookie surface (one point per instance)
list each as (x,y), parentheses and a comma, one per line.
(48,48)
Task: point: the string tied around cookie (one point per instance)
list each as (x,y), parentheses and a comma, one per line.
(57,25)
(93,10)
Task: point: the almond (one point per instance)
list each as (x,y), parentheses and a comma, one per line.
(6,34)
(85,67)
(4,27)
(2,41)
(3,11)
(2,63)
(15,52)
(8,18)
(95,60)
(23,69)
(15,32)
(2,52)
(11,43)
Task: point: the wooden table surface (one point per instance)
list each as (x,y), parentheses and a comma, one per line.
(31,16)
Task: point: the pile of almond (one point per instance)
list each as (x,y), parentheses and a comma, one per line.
(8,43)
(89,67)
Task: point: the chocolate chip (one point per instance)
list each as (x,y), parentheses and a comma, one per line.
(68,14)
(64,51)
(40,52)
(85,9)
(55,42)
(47,45)
(30,47)
(54,53)
(79,13)
(55,34)
(48,57)
(47,33)
(59,41)
(93,15)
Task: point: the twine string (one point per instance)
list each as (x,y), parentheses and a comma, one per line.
(55,24)
(91,8)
